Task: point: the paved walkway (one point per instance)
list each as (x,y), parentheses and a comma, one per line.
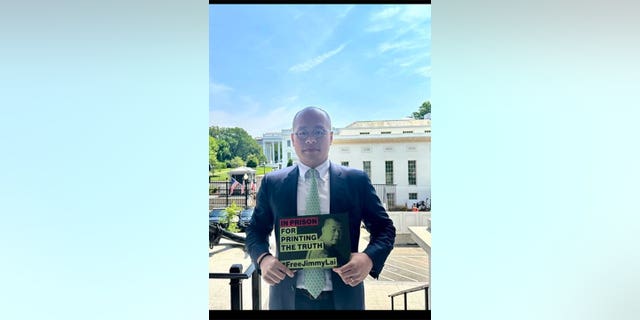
(406,267)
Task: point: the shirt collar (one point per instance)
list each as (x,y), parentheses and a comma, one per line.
(323,170)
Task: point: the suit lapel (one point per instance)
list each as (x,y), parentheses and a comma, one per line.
(337,190)
(290,189)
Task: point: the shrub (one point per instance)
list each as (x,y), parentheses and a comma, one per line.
(237,162)
(231,217)
(252,161)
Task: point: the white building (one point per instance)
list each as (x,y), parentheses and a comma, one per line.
(396,154)
(277,148)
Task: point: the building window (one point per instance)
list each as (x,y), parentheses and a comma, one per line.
(345,163)
(413,196)
(412,172)
(388,172)
(366,167)
(366,149)
(407,131)
(364,132)
(388,149)
(344,149)
(288,143)
(391,200)
(385,132)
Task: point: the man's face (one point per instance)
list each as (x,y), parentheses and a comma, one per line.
(331,232)
(312,137)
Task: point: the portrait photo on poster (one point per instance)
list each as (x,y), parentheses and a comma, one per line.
(318,241)
(320,156)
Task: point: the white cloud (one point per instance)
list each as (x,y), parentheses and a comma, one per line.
(424,71)
(379,27)
(382,20)
(385,14)
(400,19)
(256,123)
(253,116)
(311,63)
(291,99)
(401,45)
(316,27)
(343,14)
(416,13)
(218,88)
(409,60)
(228,107)
(407,45)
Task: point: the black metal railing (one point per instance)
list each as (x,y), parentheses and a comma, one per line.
(217,232)
(235,284)
(220,195)
(424,287)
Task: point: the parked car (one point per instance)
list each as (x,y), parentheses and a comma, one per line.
(245,218)
(215,215)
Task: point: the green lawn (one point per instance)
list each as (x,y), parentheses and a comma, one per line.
(260,171)
(220,174)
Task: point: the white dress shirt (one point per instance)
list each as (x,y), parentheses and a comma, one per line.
(323,191)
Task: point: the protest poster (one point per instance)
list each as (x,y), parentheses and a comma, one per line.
(313,241)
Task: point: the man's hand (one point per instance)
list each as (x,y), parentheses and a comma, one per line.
(273,271)
(356,270)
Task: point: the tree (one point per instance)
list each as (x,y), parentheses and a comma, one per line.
(224,151)
(235,142)
(424,109)
(252,161)
(231,217)
(236,162)
(289,163)
(213,153)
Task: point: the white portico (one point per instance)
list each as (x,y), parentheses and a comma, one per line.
(277,148)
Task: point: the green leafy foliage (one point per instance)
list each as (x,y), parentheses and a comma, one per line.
(231,217)
(235,142)
(252,161)
(422,111)
(236,162)
(213,152)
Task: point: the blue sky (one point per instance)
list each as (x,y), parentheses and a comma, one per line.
(358,62)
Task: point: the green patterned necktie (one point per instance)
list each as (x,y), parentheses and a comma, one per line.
(313,278)
(313,199)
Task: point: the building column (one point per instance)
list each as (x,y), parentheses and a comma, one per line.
(270,152)
(273,153)
(264,147)
(279,152)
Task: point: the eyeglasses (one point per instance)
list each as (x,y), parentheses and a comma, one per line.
(317,133)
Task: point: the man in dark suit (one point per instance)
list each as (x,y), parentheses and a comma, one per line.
(285,193)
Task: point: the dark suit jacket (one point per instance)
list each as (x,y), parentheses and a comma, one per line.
(350,191)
